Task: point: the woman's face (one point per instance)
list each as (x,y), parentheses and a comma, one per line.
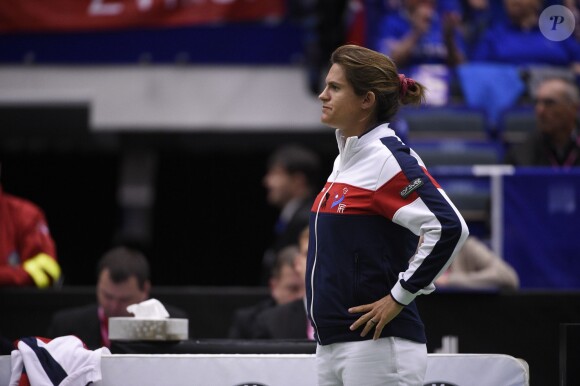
(341,107)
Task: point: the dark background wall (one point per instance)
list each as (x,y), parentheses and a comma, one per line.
(77,193)
(210,221)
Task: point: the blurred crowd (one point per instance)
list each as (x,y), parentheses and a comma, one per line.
(452,46)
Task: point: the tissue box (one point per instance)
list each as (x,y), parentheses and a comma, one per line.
(132,328)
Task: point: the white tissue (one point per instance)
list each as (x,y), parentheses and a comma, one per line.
(148,309)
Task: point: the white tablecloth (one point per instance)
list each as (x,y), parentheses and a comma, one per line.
(284,370)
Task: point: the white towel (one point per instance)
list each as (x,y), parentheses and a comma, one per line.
(63,361)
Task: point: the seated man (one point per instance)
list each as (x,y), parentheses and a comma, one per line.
(556,142)
(123,279)
(286,285)
(288,321)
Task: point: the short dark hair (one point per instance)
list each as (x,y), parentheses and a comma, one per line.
(285,257)
(297,159)
(122,263)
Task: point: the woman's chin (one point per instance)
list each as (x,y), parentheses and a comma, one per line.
(324,119)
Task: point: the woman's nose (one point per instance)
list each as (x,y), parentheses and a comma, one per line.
(322,95)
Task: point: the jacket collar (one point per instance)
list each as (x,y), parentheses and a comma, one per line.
(355,143)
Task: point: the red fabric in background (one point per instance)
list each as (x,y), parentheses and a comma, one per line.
(24,231)
(356,31)
(85,15)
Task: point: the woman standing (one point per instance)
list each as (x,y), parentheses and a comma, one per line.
(365,267)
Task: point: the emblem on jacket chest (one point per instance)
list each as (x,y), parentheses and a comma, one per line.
(337,201)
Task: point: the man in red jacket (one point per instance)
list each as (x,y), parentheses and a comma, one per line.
(27,250)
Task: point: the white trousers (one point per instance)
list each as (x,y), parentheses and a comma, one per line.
(384,362)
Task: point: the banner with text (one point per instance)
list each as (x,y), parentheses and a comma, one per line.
(91,15)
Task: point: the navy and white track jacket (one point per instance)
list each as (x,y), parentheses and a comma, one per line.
(364,231)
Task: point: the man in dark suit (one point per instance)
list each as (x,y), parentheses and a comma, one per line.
(123,279)
(291,180)
(286,285)
(286,321)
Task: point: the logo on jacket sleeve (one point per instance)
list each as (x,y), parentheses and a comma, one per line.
(414,185)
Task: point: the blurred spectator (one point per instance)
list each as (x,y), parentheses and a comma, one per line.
(27,249)
(478,15)
(291,181)
(517,39)
(123,279)
(512,51)
(419,34)
(424,41)
(476,266)
(288,321)
(285,284)
(326,29)
(556,141)
(574,6)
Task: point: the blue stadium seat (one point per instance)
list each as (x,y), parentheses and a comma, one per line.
(470,194)
(515,124)
(458,153)
(445,122)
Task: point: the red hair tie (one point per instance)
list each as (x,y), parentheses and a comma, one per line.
(406,83)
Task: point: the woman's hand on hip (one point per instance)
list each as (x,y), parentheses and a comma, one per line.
(375,315)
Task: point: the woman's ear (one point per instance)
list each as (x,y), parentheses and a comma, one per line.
(368,101)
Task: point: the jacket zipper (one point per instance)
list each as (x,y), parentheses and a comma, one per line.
(320,204)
